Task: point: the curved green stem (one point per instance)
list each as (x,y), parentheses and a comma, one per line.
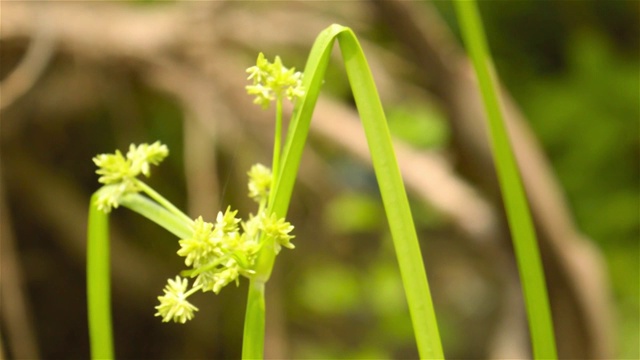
(277,142)
(162,201)
(178,225)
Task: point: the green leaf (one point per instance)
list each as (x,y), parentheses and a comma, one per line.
(386,168)
(520,223)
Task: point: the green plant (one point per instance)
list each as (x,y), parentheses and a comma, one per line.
(219,253)
(252,252)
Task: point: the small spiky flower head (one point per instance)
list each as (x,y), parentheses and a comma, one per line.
(218,253)
(272,80)
(260,179)
(173,304)
(118,172)
(277,229)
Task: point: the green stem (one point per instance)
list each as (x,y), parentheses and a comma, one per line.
(254,322)
(99,283)
(162,201)
(177,225)
(210,266)
(277,142)
(98,276)
(520,223)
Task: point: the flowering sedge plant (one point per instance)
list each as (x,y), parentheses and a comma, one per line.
(216,253)
(219,253)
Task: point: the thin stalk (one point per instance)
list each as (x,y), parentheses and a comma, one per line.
(254,320)
(175,224)
(98,276)
(162,201)
(99,283)
(254,325)
(277,142)
(522,230)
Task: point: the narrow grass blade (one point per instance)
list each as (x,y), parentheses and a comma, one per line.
(522,230)
(99,283)
(385,166)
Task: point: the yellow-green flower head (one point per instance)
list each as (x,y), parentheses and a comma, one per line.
(112,167)
(117,171)
(277,229)
(143,155)
(227,223)
(221,278)
(218,253)
(173,304)
(272,80)
(115,167)
(260,179)
(226,269)
(251,227)
(109,195)
(199,248)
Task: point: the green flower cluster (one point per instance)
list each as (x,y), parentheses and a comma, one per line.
(173,304)
(259,183)
(219,253)
(119,172)
(272,80)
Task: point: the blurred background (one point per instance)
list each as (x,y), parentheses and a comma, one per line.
(82,78)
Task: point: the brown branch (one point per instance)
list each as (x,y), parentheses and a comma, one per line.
(35,61)
(15,310)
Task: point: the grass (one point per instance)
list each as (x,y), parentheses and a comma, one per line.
(515,201)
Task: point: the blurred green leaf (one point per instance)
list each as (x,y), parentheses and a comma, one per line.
(418,124)
(329,289)
(353,213)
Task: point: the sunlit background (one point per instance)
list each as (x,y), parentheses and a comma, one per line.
(82,78)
